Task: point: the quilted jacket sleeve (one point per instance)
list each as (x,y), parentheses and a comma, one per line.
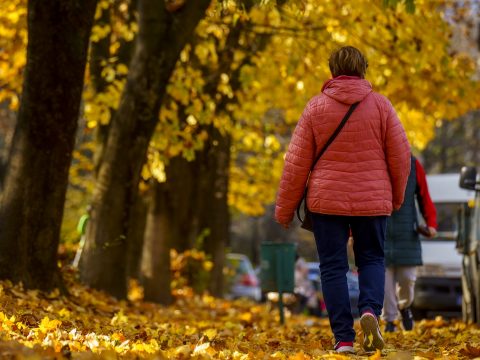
(398,156)
(298,160)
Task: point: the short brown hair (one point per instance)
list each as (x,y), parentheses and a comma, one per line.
(348,61)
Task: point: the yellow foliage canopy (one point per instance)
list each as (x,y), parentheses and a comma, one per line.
(13,44)
(409,62)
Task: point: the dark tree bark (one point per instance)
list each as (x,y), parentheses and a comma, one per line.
(172,222)
(37,176)
(162,36)
(215,210)
(135,236)
(155,266)
(7,126)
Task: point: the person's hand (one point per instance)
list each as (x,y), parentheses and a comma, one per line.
(432,231)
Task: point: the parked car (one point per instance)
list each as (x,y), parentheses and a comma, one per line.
(241,280)
(438,288)
(352,281)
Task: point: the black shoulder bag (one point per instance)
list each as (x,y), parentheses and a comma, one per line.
(307,219)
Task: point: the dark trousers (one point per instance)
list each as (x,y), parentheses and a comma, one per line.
(331,235)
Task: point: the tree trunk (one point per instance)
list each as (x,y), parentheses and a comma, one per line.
(135,236)
(162,36)
(7,126)
(194,199)
(182,199)
(31,207)
(155,268)
(214,207)
(171,223)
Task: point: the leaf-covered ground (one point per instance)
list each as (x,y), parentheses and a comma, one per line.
(91,325)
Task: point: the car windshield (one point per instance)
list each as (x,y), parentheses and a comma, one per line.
(239,266)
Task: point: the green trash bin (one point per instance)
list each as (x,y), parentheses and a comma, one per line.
(277,269)
(277,266)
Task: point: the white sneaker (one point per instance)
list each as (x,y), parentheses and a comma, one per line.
(344,347)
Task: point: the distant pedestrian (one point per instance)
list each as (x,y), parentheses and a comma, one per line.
(303,290)
(358,181)
(403,252)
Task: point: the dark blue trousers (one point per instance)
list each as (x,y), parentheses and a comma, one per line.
(331,235)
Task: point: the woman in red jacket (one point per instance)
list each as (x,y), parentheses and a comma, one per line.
(355,185)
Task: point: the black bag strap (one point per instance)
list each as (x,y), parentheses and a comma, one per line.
(325,147)
(335,133)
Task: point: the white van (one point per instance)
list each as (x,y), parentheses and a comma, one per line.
(438,287)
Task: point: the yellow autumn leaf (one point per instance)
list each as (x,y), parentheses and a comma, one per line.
(122,69)
(91,124)
(204,349)
(47,325)
(210,333)
(207,265)
(376,356)
(299,356)
(64,313)
(21,325)
(119,318)
(190,331)
(335,357)
(184,350)
(150,348)
(246,316)
(118,337)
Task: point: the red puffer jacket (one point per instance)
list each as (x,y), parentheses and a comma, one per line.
(364,172)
